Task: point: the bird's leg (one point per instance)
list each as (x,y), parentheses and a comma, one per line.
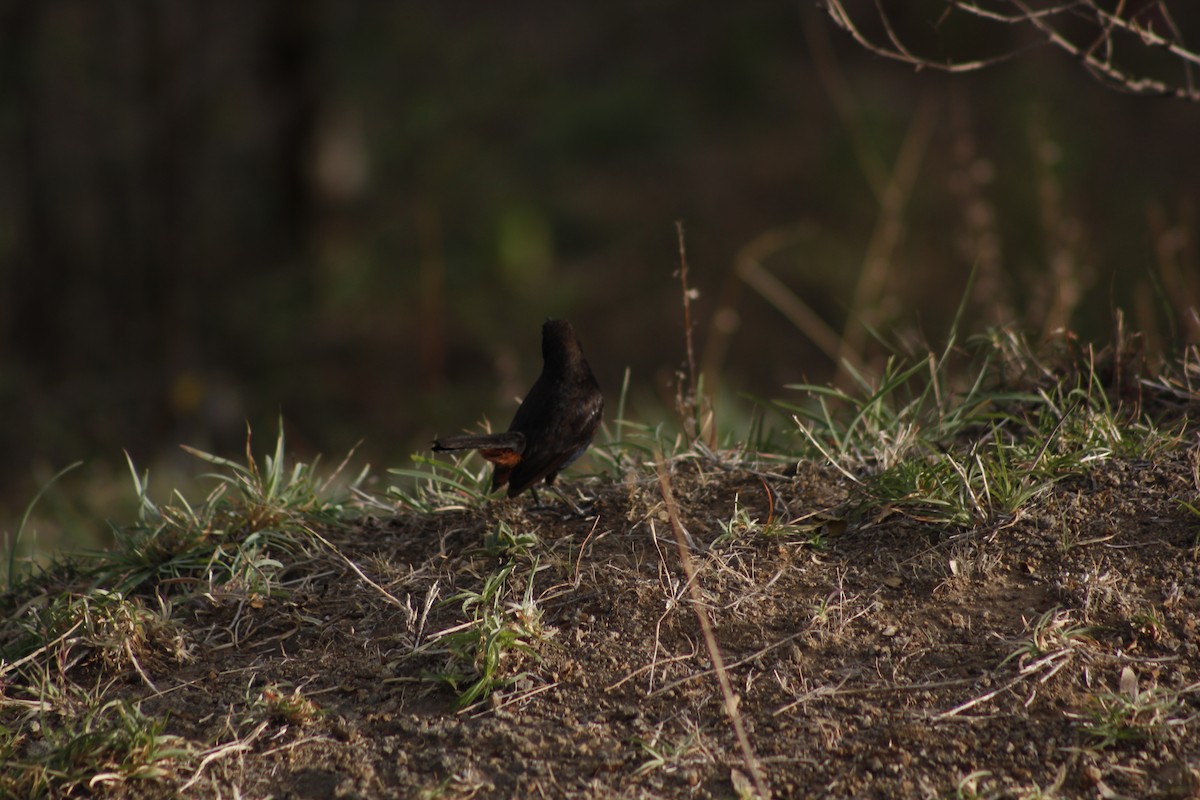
(579,512)
(538,505)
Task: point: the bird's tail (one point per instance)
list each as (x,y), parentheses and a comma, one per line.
(512,442)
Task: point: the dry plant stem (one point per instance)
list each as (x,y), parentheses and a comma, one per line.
(830,457)
(6,667)
(750,268)
(519,697)
(710,639)
(746,660)
(698,413)
(687,309)
(1175,252)
(653,665)
(1149,36)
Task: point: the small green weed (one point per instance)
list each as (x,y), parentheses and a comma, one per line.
(1054,640)
(508,544)
(1150,623)
(993,479)
(667,754)
(445,486)
(80,747)
(1115,718)
(228,540)
(743,526)
(496,629)
(70,629)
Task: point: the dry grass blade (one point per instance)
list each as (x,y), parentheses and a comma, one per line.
(221,751)
(391,598)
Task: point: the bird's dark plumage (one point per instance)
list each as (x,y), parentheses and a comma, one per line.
(554,424)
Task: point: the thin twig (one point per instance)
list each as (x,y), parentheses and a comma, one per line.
(519,697)
(983,698)
(747,659)
(652,665)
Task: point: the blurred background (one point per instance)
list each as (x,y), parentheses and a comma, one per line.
(358,214)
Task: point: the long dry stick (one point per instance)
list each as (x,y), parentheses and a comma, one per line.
(698,411)
(710,639)
(687,309)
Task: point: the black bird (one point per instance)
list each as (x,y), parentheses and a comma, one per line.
(554,424)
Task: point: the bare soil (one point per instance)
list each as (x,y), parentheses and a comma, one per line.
(872,655)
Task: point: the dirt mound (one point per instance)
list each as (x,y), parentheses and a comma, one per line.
(871,655)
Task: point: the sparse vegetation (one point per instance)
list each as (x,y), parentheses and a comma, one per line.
(497,630)
(1134,715)
(933,550)
(77,742)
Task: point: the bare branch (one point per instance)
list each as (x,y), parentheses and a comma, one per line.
(1104,68)
(1149,37)
(1056,25)
(838,13)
